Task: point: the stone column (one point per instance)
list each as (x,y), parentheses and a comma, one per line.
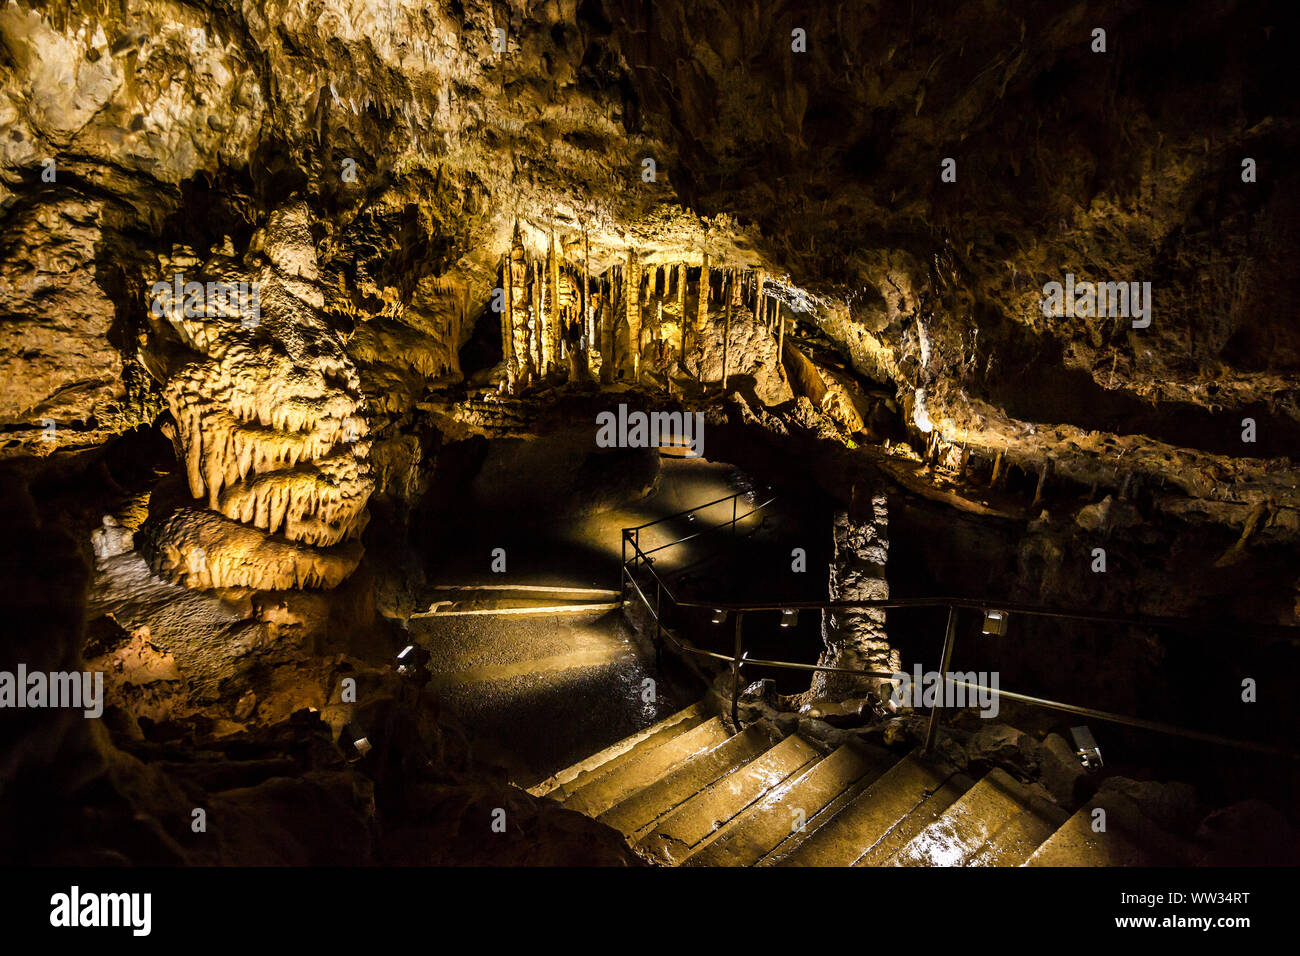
(508,323)
(681,305)
(702,303)
(519,311)
(541,342)
(554,311)
(857,573)
(607,323)
(632,284)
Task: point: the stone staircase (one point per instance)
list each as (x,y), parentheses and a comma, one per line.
(688,792)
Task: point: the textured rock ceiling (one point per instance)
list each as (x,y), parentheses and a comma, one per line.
(186,132)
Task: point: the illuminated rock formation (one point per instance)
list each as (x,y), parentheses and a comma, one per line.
(269,420)
(857,638)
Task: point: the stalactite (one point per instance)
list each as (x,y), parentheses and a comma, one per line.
(1043,472)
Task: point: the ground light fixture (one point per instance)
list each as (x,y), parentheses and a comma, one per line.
(789,616)
(719,616)
(995,623)
(1086,747)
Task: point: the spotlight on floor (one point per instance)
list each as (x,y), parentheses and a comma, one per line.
(719,616)
(1086,747)
(995,623)
(789,616)
(406,652)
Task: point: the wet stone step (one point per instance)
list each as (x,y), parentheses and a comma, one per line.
(967,825)
(704,815)
(688,779)
(566,781)
(874,814)
(797,801)
(645,768)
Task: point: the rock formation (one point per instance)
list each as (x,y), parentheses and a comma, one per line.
(269,420)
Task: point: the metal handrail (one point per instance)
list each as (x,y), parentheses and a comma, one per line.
(664,634)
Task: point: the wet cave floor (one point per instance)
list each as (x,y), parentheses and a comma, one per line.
(537,693)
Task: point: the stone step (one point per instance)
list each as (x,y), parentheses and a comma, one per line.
(929,810)
(910,790)
(1017,839)
(772,820)
(1130,839)
(704,816)
(647,805)
(966,826)
(644,768)
(564,782)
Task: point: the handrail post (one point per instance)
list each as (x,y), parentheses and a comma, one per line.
(734,499)
(946,661)
(735,669)
(622,572)
(659,621)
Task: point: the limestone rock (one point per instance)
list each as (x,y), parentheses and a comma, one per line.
(203,549)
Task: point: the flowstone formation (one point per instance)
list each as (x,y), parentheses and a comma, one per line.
(269,421)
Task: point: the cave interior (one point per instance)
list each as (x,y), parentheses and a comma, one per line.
(414,412)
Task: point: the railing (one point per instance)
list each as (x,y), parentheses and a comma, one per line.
(664,636)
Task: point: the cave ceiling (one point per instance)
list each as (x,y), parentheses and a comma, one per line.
(377,159)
